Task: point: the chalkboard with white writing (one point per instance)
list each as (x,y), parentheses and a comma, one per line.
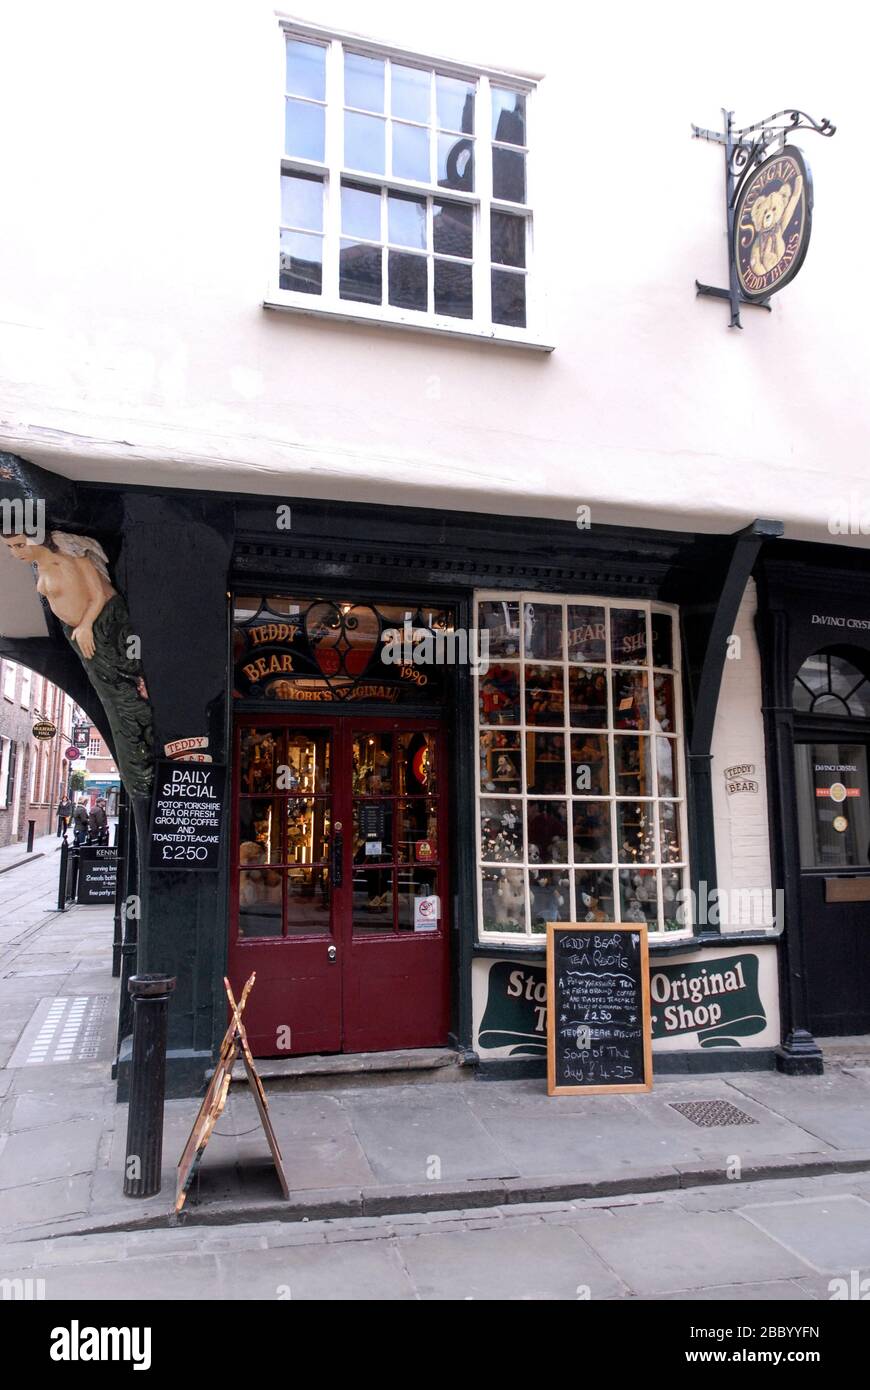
(98,873)
(599,1036)
(186,816)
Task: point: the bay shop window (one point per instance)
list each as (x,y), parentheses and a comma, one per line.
(580,785)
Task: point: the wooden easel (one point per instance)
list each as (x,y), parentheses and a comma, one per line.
(235,1041)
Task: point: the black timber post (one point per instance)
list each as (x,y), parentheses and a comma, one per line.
(747,544)
(799,1054)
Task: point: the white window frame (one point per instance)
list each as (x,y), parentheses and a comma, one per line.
(328,304)
(10,671)
(5,754)
(26,687)
(529,936)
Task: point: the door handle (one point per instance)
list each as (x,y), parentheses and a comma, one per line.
(337,867)
(331,952)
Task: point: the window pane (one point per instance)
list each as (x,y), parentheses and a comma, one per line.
(306,69)
(638,897)
(592,842)
(373,764)
(455,163)
(454,101)
(500,761)
(590,771)
(360,212)
(411,88)
(304,130)
(545,764)
(363,82)
(662,639)
(372,900)
(630,700)
(302,201)
(360,272)
(508,239)
(407,220)
(453,229)
(509,299)
(663,687)
(588,697)
(635,832)
(411,152)
(501,622)
(548,832)
(631,761)
(417,831)
(259,831)
(628,636)
(308,902)
(301,263)
(503,899)
(416,883)
(594,892)
(417,764)
(500,695)
(545,699)
(549,898)
(542,629)
(409,281)
(677,912)
(260,902)
(508,116)
(666,760)
(259,750)
(509,175)
(372,831)
(307,829)
(586,633)
(364,142)
(453,289)
(501,830)
(669,832)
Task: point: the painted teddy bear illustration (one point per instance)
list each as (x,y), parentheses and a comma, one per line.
(770,217)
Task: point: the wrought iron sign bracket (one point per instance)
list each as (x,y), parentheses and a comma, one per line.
(745,149)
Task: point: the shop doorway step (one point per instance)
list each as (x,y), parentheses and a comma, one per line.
(846,1052)
(354,1069)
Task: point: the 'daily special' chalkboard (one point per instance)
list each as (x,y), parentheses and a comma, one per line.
(599,1036)
(186,815)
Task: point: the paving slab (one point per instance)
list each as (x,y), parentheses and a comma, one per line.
(41,1203)
(510,1263)
(52,1151)
(657,1252)
(410,1134)
(831,1233)
(834,1108)
(363,1271)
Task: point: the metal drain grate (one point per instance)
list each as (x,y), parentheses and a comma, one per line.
(709,1113)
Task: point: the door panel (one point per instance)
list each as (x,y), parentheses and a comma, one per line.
(833,794)
(339,887)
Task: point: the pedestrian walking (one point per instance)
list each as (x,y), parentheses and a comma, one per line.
(64,811)
(98,824)
(80,823)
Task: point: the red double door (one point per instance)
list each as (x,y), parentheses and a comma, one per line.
(338,883)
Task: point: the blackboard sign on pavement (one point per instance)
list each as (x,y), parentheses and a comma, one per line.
(599,1035)
(98,872)
(186,815)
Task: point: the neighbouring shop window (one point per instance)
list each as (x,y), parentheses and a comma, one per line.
(404,189)
(830,685)
(581,793)
(833,816)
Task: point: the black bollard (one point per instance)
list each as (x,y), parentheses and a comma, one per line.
(31,827)
(64,870)
(143,1163)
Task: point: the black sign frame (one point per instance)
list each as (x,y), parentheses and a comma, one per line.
(215,774)
(803,201)
(556,1023)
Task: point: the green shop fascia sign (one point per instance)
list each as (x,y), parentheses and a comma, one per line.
(718,1000)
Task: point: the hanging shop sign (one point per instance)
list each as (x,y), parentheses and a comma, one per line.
(598,1033)
(771,225)
(186,816)
(82,735)
(769,205)
(323,651)
(43,728)
(72,755)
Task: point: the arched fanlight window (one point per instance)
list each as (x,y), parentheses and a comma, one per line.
(829,684)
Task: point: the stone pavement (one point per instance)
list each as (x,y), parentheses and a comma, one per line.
(804,1240)
(355,1152)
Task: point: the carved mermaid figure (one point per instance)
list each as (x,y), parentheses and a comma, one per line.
(73,578)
